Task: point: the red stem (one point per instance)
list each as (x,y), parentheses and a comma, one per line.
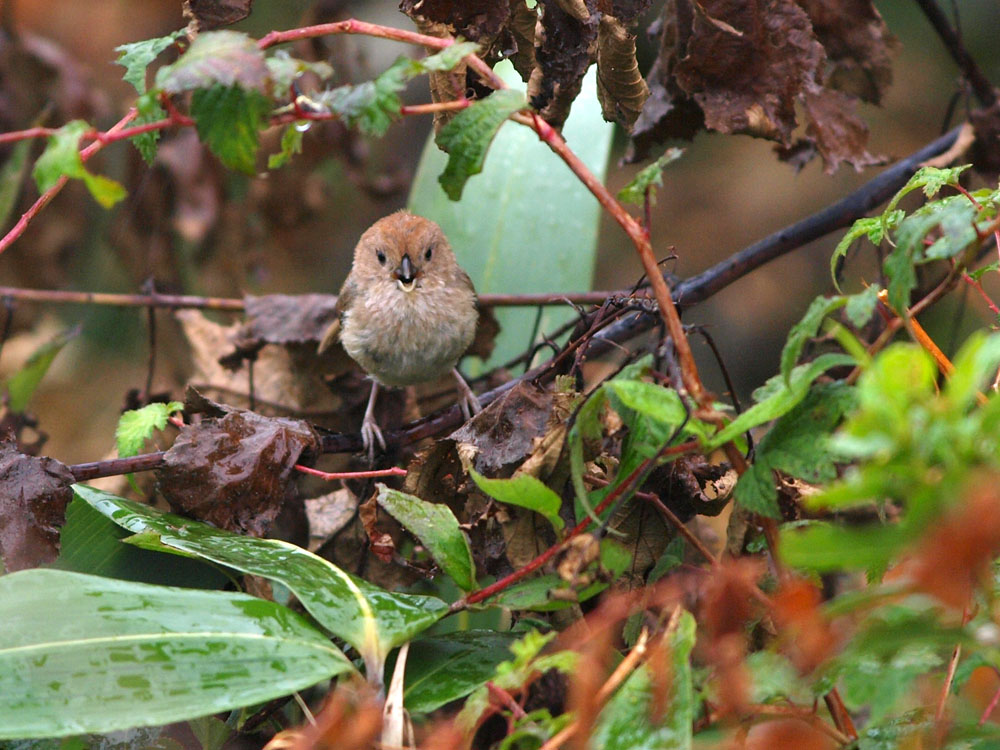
(395,471)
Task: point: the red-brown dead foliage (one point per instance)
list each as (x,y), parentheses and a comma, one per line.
(808,636)
(351,719)
(787,734)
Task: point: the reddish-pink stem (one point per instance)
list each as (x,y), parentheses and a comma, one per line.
(395,471)
(982,292)
(18,229)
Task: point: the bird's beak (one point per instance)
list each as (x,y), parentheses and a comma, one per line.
(406,274)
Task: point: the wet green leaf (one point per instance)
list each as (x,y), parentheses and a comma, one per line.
(136,57)
(524,491)
(806,329)
(81,653)
(22,384)
(136,426)
(437,529)
(229,120)
(217,58)
(370,619)
(61,158)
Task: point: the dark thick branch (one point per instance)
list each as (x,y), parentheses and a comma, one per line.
(981,86)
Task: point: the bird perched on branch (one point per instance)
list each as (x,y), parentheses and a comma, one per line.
(406,313)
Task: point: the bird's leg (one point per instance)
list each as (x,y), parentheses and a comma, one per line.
(469,403)
(370,431)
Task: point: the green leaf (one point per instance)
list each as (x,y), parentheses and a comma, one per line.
(625,722)
(796,445)
(148,106)
(860,306)
(224,59)
(136,57)
(61,158)
(778,397)
(437,529)
(649,178)
(500,249)
(285,69)
(824,548)
(525,491)
(445,668)
(291,144)
(89,542)
(229,120)
(931,179)
(806,329)
(136,426)
(12,177)
(82,653)
(978,273)
(21,386)
(467,137)
(873,227)
(975,363)
(370,619)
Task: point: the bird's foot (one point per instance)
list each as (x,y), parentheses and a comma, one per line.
(370,434)
(468,402)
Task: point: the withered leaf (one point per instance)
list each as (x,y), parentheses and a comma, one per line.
(235,471)
(522,30)
(211,14)
(504,433)
(34,493)
(471,19)
(564,48)
(627,11)
(381,542)
(620,87)
(839,135)
(858,46)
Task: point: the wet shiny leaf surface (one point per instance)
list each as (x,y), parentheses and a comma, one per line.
(82,653)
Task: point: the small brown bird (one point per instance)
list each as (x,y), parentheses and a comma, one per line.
(407,311)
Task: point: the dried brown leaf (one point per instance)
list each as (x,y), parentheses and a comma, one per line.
(34,493)
(235,471)
(620,86)
(838,134)
(212,14)
(477,20)
(381,542)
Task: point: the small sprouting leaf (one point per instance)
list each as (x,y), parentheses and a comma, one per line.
(22,384)
(930,179)
(229,120)
(980,272)
(805,329)
(873,227)
(860,306)
(524,491)
(136,57)
(284,69)
(291,144)
(135,427)
(468,136)
(649,178)
(437,529)
(81,653)
(61,158)
(150,110)
(217,58)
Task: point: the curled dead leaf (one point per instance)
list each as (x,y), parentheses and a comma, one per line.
(620,86)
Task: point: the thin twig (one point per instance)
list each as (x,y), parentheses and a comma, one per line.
(981,86)
(394,471)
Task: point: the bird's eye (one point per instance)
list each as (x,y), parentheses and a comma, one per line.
(381,256)
(427,255)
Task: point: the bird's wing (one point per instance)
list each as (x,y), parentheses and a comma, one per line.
(344,300)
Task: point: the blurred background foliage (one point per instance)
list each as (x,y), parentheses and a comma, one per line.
(200,229)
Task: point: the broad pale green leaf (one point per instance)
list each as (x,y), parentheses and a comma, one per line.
(61,158)
(437,528)
(860,306)
(655,401)
(806,329)
(136,57)
(976,361)
(625,722)
(649,178)
(445,668)
(229,120)
(136,426)
(823,547)
(369,618)
(524,491)
(778,397)
(82,653)
(217,58)
(526,224)
(285,69)
(467,137)
(22,384)
(89,542)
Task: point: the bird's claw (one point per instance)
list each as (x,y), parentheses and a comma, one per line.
(370,434)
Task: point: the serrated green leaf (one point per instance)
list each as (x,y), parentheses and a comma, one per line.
(625,721)
(806,329)
(82,653)
(369,618)
(978,273)
(21,386)
(930,179)
(902,278)
(136,57)
(150,110)
(61,158)
(649,178)
(467,137)
(445,668)
(437,529)
(229,120)
(224,59)
(778,397)
(524,491)
(136,426)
